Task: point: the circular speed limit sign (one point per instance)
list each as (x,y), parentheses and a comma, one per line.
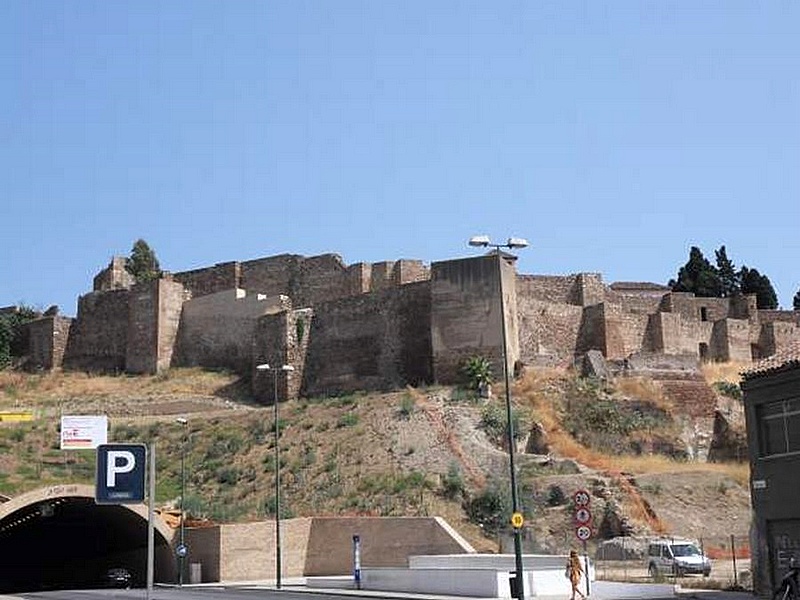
(582,498)
(583,516)
(583,533)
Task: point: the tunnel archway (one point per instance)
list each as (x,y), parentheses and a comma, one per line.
(58,538)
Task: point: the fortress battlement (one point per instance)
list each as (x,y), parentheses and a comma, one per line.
(387,324)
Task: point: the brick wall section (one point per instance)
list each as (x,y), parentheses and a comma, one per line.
(47,341)
(784,316)
(410,271)
(247,550)
(642,302)
(319,279)
(99,335)
(548,332)
(113,277)
(142,328)
(549,288)
(465,315)
(730,340)
(774,337)
(171,296)
(373,341)
(271,347)
(210,280)
(626,332)
(218,330)
(590,289)
(385,542)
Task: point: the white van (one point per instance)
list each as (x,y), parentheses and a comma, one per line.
(670,556)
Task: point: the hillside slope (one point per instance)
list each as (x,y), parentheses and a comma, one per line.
(410,452)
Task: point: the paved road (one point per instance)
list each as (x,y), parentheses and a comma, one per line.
(601,590)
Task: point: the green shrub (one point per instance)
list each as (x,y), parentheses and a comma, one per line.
(347,420)
(407,406)
(729,389)
(453,483)
(491,509)
(478,372)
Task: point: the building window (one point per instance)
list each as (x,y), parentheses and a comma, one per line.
(703,350)
(779,427)
(703,313)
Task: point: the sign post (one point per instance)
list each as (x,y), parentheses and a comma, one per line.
(583,529)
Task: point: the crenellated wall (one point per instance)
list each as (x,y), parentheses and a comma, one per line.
(387,324)
(210,280)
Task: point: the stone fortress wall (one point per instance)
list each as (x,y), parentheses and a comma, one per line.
(384,325)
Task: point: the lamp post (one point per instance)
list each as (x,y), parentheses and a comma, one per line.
(483,241)
(286,369)
(182,544)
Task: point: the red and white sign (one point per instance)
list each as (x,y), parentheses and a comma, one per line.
(582,498)
(583,533)
(583,516)
(83,432)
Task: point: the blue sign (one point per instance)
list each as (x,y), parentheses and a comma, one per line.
(120,473)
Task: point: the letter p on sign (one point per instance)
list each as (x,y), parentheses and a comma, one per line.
(119,461)
(120,473)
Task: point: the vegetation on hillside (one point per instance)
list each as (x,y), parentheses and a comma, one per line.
(394,454)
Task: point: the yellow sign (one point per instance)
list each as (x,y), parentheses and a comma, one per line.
(517,520)
(16,416)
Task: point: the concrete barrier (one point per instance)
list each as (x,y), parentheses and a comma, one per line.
(473,575)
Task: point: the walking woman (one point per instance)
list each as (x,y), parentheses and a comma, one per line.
(574,572)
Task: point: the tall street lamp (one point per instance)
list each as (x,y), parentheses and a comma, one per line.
(483,241)
(287,369)
(181,550)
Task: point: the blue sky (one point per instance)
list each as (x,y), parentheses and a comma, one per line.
(612,134)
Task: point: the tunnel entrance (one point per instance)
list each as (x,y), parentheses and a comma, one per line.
(59,538)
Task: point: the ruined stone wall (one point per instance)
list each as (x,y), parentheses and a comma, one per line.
(641,302)
(730,340)
(625,331)
(319,279)
(142,334)
(218,330)
(99,335)
(784,316)
(113,277)
(669,333)
(549,288)
(466,317)
(590,289)
(774,336)
(373,341)
(171,296)
(47,341)
(548,332)
(210,280)
(592,330)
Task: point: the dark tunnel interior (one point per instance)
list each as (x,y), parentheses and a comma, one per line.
(71,542)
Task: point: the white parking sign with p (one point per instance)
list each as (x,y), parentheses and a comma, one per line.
(120,473)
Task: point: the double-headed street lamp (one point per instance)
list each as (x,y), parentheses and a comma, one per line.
(181,550)
(483,241)
(287,369)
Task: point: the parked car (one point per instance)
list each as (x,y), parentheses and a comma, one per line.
(118,577)
(676,557)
